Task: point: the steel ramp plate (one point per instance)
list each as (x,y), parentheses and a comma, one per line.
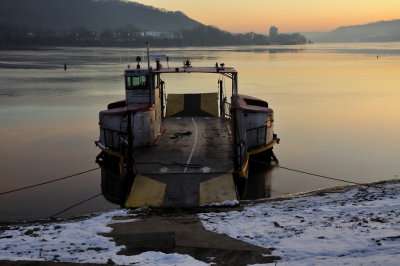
(181,190)
(191,165)
(197,104)
(145,192)
(217,190)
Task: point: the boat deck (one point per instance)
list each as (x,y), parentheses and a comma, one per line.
(190,165)
(188,145)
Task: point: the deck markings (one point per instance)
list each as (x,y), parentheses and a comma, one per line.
(218,189)
(164,170)
(205,169)
(146,192)
(194,145)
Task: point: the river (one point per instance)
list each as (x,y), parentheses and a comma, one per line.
(336,110)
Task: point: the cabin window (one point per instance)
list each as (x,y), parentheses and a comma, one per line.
(136,83)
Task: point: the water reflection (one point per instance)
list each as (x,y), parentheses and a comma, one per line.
(332,102)
(259,183)
(275,51)
(114,186)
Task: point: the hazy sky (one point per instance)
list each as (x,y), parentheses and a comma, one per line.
(287,15)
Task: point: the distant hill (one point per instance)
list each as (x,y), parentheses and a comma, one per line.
(91,14)
(382,31)
(112,23)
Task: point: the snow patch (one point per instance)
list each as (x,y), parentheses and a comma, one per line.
(224,203)
(359,226)
(123,221)
(78,242)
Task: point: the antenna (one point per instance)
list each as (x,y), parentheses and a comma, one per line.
(148,56)
(138,59)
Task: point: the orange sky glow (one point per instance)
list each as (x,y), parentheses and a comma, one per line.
(287,15)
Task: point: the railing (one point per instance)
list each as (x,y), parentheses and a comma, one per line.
(241,155)
(225,109)
(112,138)
(256,137)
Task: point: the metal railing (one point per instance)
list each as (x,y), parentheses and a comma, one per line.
(112,138)
(260,140)
(226,110)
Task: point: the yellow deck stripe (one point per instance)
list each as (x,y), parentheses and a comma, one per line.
(242,173)
(114,153)
(218,189)
(175,104)
(273,142)
(146,192)
(209,103)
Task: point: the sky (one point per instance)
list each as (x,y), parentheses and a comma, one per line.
(288,15)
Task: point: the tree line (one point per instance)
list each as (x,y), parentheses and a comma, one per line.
(129,36)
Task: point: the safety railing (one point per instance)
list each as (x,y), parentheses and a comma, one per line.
(256,137)
(225,109)
(112,138)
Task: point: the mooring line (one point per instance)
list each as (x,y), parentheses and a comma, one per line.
(48,182)
(194,145)
(323,176)
(308,173)
(75,205)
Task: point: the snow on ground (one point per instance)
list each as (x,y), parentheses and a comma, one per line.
(226,203)
(78,242)
(359,226)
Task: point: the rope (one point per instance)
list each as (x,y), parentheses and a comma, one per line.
(48,182)
(323,176)
(91,170)
(73,206)
(308,173)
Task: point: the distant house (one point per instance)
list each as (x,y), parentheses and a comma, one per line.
(158,35)
(248,36)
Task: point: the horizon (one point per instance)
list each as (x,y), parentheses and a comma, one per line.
(286,15)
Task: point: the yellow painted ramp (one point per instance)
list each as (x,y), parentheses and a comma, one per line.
(146,192)
(192,105)
(209,103)
(175,104)
(217,190)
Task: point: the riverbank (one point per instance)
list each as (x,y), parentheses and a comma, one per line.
(353,224)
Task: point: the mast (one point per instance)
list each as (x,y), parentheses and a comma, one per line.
(148,56)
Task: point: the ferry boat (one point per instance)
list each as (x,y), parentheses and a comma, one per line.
(184,149)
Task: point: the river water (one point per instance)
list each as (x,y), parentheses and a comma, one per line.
(336,111)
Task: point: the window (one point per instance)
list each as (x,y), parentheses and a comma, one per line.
(136,83)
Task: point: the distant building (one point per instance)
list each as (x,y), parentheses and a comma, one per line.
(273,32)
(158,35)
(248,36)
